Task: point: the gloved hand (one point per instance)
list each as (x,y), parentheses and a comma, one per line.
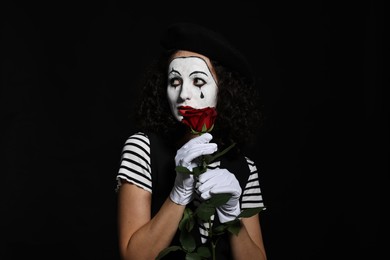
(219,181)
(183,190)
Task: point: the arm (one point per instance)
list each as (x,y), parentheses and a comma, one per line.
(249,239)
(137,230)
(142,236)
(248,244)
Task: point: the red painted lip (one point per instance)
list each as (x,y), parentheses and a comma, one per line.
(184,107)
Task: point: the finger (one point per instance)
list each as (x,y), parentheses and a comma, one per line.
(205,195)
(204,138)
(209,174)
(188,154)
(235,191)
(206,186)
(199,150)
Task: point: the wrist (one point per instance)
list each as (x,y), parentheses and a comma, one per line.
(179,198)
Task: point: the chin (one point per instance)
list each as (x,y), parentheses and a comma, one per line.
(178,118)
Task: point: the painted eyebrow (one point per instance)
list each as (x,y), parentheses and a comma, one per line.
(196,72)
(175,71)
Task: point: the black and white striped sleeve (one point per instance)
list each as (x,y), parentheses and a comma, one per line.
(252,197)
(135,164)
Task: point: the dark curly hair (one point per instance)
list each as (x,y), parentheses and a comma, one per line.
(238,106)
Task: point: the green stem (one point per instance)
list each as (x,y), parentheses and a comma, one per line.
(213,246)
(210,232)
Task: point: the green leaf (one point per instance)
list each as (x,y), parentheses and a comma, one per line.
(204,211)
(193,256)
(198,170)
(219,199)
(204,251)
(187,241)
(246,213)
(220,229)
(207,208)
(234,227)
(204,128)
(187,221)
(182,169)
(167,250)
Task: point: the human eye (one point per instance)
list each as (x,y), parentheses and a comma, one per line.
(175,82)
(198,82)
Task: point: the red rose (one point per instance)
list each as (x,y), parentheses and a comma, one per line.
(199,120)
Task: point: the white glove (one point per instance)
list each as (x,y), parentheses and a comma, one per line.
(221,181)
(183,190)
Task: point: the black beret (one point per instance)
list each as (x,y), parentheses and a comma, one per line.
(199,39)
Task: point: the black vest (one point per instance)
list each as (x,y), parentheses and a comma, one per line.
(163,176)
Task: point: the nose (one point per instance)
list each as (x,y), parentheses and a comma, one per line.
(185,91)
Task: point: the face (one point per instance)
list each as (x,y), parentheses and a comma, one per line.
(191,82)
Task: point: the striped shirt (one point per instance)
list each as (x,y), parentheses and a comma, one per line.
(135,164)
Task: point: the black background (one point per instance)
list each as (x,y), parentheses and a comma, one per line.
(68,74)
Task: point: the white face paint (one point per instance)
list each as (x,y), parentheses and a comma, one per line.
(190,83)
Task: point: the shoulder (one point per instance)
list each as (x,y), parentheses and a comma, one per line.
(140,136)
(137,144)
(138,139)
(251,164)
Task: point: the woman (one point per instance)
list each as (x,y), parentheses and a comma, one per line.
(198,71)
